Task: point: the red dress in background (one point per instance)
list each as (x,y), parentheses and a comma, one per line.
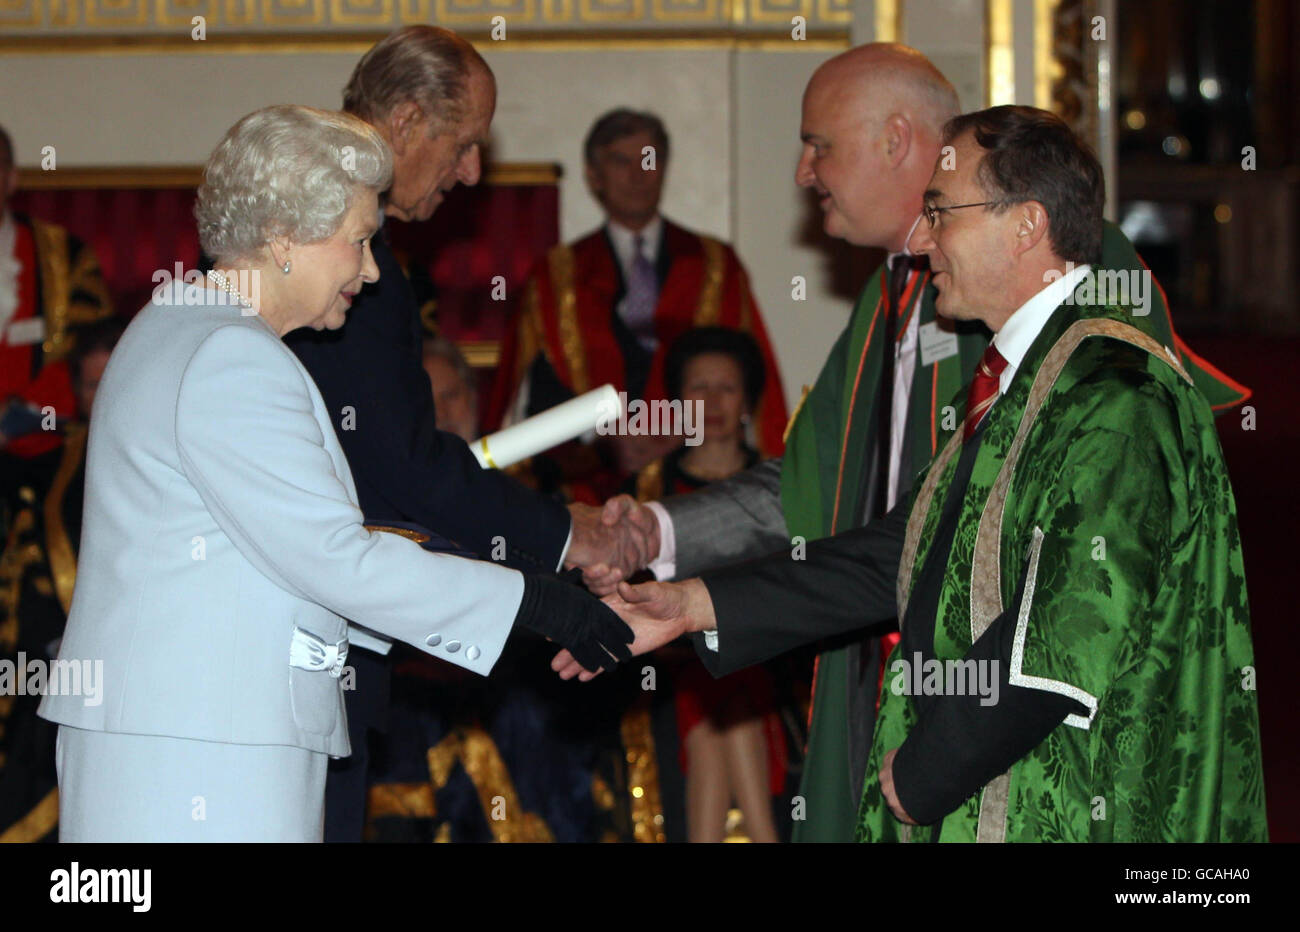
(697,693)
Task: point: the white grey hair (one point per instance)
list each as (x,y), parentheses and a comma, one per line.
(286,171)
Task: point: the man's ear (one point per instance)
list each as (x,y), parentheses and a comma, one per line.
(1031,226)
(897,135)
(404,121)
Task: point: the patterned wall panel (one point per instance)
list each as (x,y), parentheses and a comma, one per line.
(52,19)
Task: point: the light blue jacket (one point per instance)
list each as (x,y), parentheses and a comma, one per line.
(220,515)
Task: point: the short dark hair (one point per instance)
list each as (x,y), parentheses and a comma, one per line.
(623,122)
(736,344)
(1033,155)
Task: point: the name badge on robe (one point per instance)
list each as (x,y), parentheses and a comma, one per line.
(936,343)
(26,332)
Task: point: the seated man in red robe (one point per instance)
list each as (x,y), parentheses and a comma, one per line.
(50,285)
(605,309)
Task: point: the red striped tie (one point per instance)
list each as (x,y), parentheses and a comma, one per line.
(983,389)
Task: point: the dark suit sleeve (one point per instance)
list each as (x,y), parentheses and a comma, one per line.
(961,742)
(379,399)
(772,605)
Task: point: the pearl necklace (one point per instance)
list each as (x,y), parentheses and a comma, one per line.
(224,284)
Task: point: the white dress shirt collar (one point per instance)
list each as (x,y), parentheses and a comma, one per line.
(1022,327)
(624,242)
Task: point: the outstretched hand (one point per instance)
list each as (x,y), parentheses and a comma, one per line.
(656,612)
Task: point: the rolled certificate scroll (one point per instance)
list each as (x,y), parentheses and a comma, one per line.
(549,429)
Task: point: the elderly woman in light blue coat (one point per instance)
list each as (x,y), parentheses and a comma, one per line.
(222,547)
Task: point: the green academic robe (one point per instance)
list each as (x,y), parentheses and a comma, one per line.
(823,485)
(1101,484)
(823,479)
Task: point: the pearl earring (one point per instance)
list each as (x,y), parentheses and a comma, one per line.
(286,267)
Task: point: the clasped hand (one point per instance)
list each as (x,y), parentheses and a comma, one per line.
(609,544)
(656,612)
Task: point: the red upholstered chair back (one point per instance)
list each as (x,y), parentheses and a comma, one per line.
(141,223)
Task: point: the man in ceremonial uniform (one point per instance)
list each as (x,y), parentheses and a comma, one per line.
(431,96)
(1076,660)
(606,308)
(50,285)
(872,130)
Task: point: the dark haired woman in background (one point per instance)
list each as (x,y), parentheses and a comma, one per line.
(729,730)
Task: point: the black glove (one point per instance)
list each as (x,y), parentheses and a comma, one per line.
(574,619)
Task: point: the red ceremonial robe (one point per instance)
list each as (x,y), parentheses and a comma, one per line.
(571,297)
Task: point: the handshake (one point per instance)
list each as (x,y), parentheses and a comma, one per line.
(609,545)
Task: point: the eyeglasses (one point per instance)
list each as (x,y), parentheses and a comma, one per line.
(931,212)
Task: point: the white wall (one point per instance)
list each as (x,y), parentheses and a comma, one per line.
(733,115)
(546,102)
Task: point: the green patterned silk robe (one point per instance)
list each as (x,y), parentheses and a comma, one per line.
(825,467)
(1101,483)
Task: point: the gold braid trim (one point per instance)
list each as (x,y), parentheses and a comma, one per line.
(560,260)
(401,800)
(709,311)
(746,305)
(916,521)
(642,774)
(38,823)
(789,425)
(529,333)
(474,748)
(399,531)
(429,317)
(87,277)
(650,482)
(56,283)
(14,561)
(63,561)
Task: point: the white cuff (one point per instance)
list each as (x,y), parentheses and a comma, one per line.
(664,566)
(565,552)
(711,640)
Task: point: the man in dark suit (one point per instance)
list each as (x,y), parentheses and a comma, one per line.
(431,96)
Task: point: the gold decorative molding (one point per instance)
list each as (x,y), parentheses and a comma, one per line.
(888,21)
(79,20)
(480,354)
(356,43)
(999,53)
(504,174)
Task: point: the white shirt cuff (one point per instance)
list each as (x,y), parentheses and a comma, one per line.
(664,566)
(711,640)
(565,552)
